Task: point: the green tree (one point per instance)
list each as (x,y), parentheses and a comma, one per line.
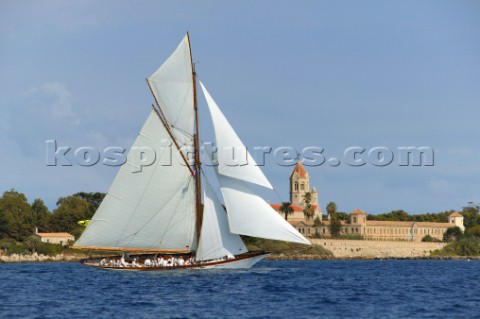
(16,218)
(474,231)
(465,246)
(428,238)
(335,224)
(470,214)
(342,216)
(286,209)
(452,233)
(33,244)
(308,211)
(41,215)
(94,199)
(69,211)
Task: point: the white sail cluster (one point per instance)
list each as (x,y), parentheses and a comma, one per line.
(151,204)
(248,214)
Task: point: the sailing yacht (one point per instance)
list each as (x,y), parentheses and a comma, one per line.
(154,212)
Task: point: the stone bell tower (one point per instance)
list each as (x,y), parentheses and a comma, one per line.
(299,185)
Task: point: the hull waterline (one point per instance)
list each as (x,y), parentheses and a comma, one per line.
(243,261)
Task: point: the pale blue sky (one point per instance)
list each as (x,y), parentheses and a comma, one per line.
(332,74)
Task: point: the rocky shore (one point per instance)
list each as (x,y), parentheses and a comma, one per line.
(20,258)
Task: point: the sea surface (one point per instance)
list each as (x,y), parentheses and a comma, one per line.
(272,289)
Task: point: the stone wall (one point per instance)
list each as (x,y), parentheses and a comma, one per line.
(376,248)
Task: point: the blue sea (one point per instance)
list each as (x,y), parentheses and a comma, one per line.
(272,289)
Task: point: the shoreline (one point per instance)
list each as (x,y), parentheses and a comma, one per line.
(313,257)
(16,258)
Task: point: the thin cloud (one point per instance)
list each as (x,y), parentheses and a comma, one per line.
(58,101)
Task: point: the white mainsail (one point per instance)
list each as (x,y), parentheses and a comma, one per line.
(172,86)
(153,208)
(249,214)
(216,241)
(243,166)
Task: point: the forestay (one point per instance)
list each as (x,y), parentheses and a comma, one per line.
(151,203)
(216,241)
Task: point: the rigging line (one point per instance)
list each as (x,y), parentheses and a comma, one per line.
(185,133)
(215,189)
(167,127)
(132,236)
(156,101)
(183,107)
(147,184)
(171,220)
(278,195)
(138,203)
(174,141)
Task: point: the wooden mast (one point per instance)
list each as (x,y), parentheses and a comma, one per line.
(196,146)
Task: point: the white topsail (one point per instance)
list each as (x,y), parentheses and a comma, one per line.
(233,158)
(216,241)
(147,206)
(172,86)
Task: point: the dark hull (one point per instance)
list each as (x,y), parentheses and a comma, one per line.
(246,260)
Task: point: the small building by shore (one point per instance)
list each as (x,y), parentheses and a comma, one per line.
(54,238)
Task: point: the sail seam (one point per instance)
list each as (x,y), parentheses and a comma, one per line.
(138,203)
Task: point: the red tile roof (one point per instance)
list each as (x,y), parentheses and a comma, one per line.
(296,208)
(300,170)
(455,215)
(357,211)
(54,235)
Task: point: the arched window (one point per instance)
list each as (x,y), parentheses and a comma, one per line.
(302,186)
(296,186)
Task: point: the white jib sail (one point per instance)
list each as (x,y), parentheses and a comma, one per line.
(172,86)
(151,203)
(233,158)
(216,240)
(250,215)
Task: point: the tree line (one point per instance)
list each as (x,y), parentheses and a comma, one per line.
(19,218)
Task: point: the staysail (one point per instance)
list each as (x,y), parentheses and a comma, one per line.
(216,241)
(172,87)
(233,158)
